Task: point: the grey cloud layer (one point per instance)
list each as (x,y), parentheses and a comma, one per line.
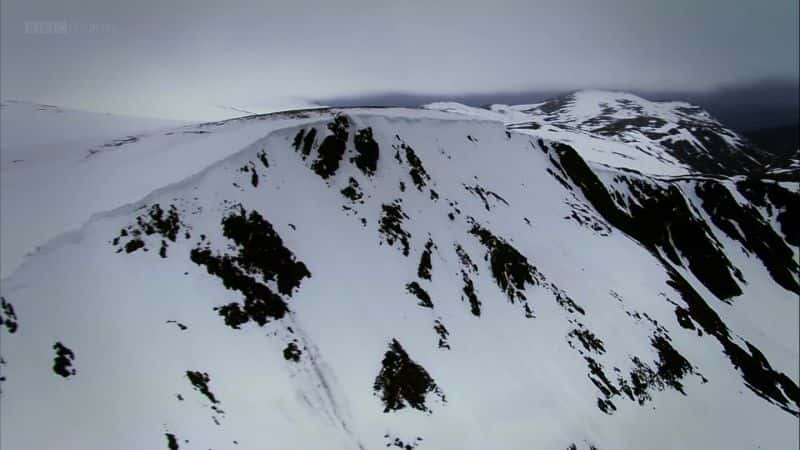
(166,58)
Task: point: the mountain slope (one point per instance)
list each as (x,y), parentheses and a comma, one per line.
(49,186)
(624,130)
(783,142)
(366,278)
(786,169)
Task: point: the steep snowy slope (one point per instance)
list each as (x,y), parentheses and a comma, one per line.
(60,166)
(43,156)
(372,278)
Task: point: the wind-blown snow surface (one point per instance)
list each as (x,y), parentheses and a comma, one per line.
(60,166)
(409,278)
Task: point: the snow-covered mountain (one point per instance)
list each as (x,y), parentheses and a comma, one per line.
(624,130)
(450,277)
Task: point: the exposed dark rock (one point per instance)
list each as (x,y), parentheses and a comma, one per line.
(399,443)
(402,382)
(353,190)
(261,254)
(261,250)
(332,148)
(469,294)
(234,316)
(391,226)
(368,152)
(468,290)
(133,245)
(298,139)
(466,261)
(200,382)
(665,221)
(62,364)
(485,195)
(511,270)
(254,178)
(260,305)
(440,329)
(178,324)
(659,218)
(424,269)
(717,155)
(775,387)
(172,441)
(618,125)
(672,366)
(565,301)
(744,224)
(778,200)
(308,142)
(589,341)
(158,222)
(262,156)
(603,384)
(605,405)
(684,320)
(584,216)
(292,352)
(155,221)
(416,170)
(555,105)
(424,299)
(330,154)
(642,378)
(8,316)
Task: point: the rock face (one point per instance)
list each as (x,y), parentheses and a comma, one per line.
(402,382)
(372,278)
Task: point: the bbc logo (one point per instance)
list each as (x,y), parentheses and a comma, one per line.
(59,27)
(63,27)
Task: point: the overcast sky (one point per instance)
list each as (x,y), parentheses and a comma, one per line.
(178,58)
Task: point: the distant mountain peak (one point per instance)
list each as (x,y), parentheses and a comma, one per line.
(665,137)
